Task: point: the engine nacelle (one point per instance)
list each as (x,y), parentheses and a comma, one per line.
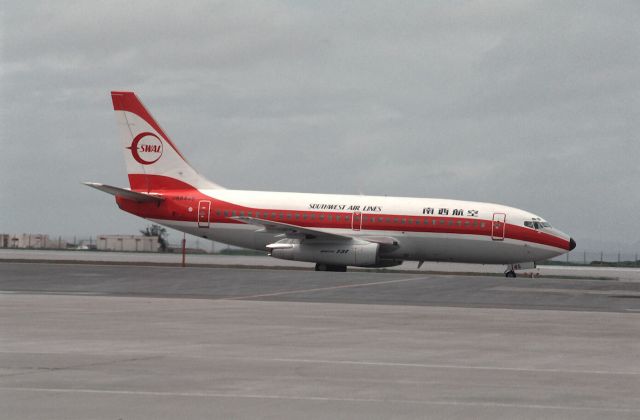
(363,255)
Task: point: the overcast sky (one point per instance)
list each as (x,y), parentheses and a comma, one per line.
(533,104)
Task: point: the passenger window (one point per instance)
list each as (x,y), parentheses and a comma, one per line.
(250,213)
(404,220)
(281,216)
(395,220)
(467,223)
(442,222)
(410,221)
(304,216)
(321,217)
(388,220)
(338,218)
(233,213)
(226,213)
(459,223)
(241,214)
(273,215)
(297,215)
(313,216)
(289,216)
(218,213)
(329,218)
(380,219)
(347,218)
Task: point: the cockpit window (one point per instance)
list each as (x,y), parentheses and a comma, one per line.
(536,225)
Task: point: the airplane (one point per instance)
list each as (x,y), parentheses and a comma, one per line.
(333,231)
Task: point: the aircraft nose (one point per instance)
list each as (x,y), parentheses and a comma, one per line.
(572,244)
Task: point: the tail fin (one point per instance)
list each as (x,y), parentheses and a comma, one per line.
(153,161)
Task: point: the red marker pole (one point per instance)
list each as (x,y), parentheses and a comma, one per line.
(184,249)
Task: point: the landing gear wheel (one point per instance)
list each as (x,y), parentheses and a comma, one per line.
(510,273)
(327,267)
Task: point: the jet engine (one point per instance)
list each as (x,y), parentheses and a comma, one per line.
(334,254)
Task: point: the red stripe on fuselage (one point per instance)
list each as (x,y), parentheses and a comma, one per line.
(179,197)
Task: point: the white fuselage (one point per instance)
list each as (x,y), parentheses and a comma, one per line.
(425,228)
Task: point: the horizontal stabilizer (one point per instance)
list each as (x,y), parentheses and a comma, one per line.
(124,193)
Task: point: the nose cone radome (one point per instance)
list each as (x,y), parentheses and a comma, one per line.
(572,244)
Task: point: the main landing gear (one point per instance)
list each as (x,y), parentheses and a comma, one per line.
(510,272)
(329,267)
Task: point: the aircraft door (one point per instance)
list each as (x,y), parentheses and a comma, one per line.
(204,211)
(498,226)
(356,220)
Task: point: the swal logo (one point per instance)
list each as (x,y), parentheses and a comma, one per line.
(146,148)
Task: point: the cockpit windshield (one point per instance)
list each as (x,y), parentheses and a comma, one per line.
(536,224)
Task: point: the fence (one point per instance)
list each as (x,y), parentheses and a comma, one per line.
(584,257)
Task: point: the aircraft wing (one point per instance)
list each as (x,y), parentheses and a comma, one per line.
(299,232)
(122,192)
(293,231)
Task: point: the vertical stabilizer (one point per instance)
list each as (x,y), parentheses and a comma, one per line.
(153,161)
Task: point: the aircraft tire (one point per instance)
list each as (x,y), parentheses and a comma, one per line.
(328,267)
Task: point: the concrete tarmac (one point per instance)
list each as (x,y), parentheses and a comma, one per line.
(126,342)
(248,261)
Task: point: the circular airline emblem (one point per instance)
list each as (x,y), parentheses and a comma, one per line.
(146,148)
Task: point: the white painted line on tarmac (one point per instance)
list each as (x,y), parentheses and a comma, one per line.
(318,398)
(319,289)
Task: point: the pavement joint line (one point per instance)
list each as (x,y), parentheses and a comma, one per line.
(328,399)
(319,289)
(150,264)
(39,369)
(567,291)
(460,367)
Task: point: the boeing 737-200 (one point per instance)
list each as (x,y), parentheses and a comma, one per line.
(332,231)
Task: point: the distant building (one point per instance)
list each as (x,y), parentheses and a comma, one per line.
(27,240)
(133,243)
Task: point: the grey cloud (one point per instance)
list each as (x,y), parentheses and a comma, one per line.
(532,104)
